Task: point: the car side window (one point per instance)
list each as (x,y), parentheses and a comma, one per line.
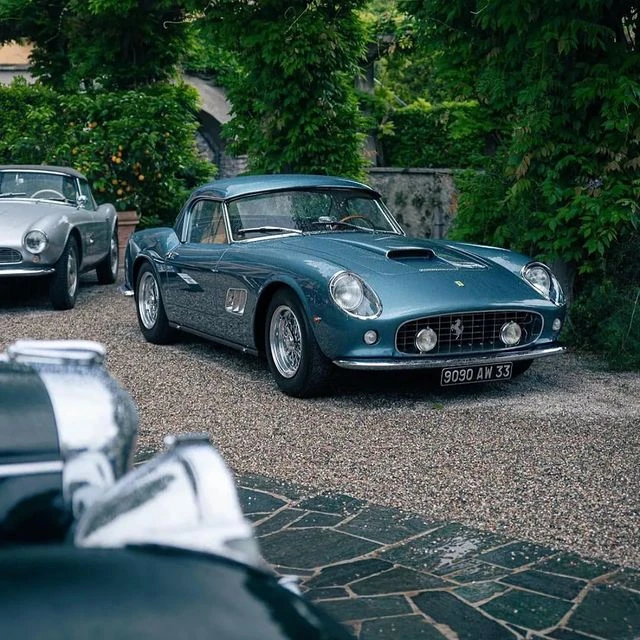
(206,223)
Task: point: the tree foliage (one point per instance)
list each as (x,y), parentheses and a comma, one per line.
(136,147)
(294,101)
(566,77)
(110,44)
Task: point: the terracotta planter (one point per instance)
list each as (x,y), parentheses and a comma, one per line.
(127,221)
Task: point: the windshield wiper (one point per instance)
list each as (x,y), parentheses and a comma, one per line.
(347,225)
(267,230)
(12,195)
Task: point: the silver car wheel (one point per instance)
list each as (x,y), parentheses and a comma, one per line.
(285,338)
(72,274)
(113,255)
(148,300)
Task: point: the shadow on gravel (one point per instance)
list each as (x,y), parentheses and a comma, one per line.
(32,294)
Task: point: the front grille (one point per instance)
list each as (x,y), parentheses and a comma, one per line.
(469,332)
(9,256)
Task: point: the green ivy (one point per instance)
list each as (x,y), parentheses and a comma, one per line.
(563,77)
(294,103)
(448,134)
(136,147)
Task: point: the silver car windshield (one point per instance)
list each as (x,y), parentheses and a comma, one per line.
(312,211)
(38,185)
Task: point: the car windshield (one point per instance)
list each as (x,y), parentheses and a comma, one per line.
(39,185)
(312,211)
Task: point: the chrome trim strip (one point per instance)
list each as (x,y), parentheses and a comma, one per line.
(389,364)
(70,352)
(26,272)
(30,468)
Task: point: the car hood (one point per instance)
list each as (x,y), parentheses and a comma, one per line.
(385,254)
(17,217)
(402,270)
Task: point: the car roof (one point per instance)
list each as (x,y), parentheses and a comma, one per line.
(47,168)
(246,185)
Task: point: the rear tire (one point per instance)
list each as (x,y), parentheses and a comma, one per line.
(152,317)
(63,286)
(107,269)
(295,360)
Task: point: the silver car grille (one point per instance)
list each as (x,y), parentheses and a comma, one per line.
(469,332)
(9,256)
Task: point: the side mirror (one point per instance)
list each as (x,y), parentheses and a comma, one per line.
(81,201)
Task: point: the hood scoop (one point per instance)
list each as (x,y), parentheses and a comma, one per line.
(408,253)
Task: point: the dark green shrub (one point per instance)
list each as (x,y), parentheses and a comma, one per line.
(605,315)
(449,134)
(136,147)
(606,319)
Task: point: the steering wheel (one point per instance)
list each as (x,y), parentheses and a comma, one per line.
(57,193)
(357,217)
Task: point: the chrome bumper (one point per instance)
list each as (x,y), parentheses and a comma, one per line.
(426,362)
(22,271)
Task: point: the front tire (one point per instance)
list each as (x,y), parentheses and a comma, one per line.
(152,317)
(107,269)
(519,367)
(63,287)
(295,360)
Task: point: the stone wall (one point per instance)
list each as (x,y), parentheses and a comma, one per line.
(423,200)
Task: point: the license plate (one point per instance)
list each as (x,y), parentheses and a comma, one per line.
(475,373)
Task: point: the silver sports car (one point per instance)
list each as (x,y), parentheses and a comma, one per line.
(51,226)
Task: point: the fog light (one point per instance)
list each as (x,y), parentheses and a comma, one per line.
(510,333)
(426,339)
(370,337)
(557,325)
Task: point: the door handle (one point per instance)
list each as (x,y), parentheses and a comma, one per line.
(172,254)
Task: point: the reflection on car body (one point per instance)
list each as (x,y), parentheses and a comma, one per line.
(51,226)
(315,272)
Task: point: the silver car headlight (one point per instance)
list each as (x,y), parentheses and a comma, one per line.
(35,241)
(539,276)
(353,295)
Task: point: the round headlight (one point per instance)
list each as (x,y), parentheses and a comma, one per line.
(35,241)
(426,339)
(510,333)
(346,290)
(539,277)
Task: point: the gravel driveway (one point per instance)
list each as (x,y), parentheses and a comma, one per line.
(552,457)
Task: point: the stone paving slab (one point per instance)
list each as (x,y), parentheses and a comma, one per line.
(386,574)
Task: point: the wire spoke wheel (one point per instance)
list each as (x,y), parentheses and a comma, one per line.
(72,274)
(148,300)
(285,338)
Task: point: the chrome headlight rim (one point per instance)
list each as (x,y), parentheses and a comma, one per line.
(42,241)
(553,291)
(366,306)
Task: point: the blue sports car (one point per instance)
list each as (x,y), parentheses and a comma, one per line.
(315,272)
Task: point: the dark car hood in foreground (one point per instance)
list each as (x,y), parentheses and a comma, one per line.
(59,592)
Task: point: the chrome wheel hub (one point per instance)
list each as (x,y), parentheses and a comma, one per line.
(148,300)
(285,339)
(72,274)
(113,256)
